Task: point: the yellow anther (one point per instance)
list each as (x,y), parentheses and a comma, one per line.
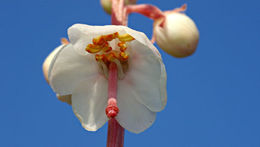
(99,57)
(124,56)
(110,37)
(125,38)
(106,47)
(110,57)
(98,40)
(122,46)
(93,48)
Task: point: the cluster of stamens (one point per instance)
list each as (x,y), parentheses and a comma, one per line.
(104,53)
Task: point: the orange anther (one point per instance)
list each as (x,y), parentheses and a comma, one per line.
(124,55)
(126,37)
(107,48)
(99,40)
(110,37)
(99,57)
(93,48)
(110,57)
(122,46)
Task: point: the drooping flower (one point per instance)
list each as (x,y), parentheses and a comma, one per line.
(80,69)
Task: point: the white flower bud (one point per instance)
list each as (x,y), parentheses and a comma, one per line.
(177,35)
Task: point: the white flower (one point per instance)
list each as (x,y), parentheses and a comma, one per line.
(176,34)
(141,87)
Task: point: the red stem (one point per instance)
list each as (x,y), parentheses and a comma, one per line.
(115,133)
(147,10)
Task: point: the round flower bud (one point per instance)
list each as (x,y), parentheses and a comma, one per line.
(107,4)
(176,34)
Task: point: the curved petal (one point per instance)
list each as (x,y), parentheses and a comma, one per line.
(133,116)
(147,76)
(89,102)
(48,62)
(81,35)
(69,69)
(142,38)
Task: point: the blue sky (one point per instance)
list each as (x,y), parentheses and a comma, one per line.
(213,96)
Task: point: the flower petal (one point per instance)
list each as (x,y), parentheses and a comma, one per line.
(147,76)
(89,102)
(81,35)
(50,59)
(133,116)
(70,68)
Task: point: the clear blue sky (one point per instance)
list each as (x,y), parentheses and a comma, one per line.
(213,96)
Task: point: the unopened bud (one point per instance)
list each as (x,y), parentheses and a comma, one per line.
(176,34)
(107,4)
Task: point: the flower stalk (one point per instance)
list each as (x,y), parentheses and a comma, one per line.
(115,133)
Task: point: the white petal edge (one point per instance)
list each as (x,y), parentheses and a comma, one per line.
(147,76)
(133,116)
(49,60)
(69,69)
(89,101)
(81,35)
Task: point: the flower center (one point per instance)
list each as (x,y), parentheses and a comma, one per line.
(111,48)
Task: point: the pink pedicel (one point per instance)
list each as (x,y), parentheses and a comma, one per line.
(115,133)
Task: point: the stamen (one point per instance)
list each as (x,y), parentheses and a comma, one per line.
(91,48)
(120,69)
(104,67)
(122,46)
(100,44)
(110,37)
(126,37)
(124,56)
(98,41)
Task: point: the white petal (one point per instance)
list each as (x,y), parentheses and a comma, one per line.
(147,76)
(69,69)
(81,35)
(133,116)
(89,102)
(142,38)
(48,62)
